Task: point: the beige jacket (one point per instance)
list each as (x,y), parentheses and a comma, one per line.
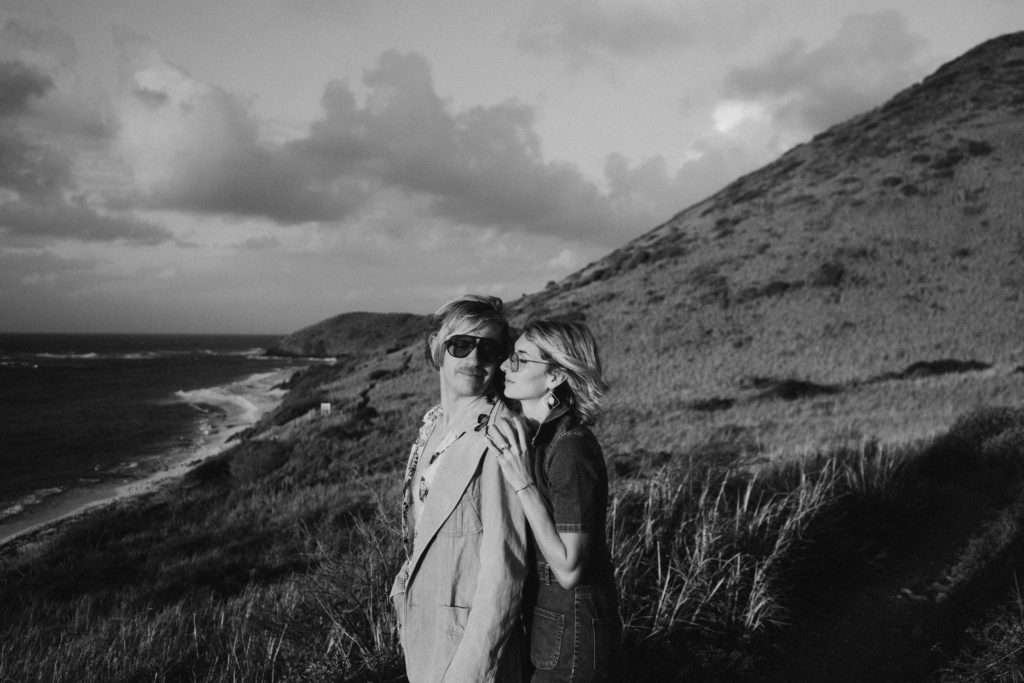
(458,596)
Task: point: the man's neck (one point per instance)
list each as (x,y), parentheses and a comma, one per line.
(454,407)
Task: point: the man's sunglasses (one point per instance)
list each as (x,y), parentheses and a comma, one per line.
(488,350)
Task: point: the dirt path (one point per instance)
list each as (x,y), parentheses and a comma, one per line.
(887,621)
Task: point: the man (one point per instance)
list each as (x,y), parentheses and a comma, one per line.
(458,594)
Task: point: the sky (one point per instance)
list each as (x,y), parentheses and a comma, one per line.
(256,166)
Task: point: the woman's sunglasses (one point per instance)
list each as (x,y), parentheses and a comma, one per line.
(515,359)
(488,350)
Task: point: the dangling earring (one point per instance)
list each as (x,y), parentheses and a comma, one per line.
(551,401)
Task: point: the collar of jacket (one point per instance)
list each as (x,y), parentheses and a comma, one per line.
(550,422)
(454,473)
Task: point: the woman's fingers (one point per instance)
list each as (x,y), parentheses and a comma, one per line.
(497,441)
(504,436)
(520,435)
(507,453)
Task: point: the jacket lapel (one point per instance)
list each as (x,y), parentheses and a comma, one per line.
(454,473)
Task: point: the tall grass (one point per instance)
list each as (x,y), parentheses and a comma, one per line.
(708,557)
(182,588)
(328,623)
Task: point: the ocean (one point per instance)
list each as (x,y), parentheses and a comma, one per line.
(83,416)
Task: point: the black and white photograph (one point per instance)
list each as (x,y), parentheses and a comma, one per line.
(467,341)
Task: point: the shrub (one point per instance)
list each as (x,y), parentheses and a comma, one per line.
(981,450)
(829,274)
(978,148)
(256,459)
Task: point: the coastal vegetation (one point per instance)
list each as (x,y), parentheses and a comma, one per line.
(272,562)
(816,431)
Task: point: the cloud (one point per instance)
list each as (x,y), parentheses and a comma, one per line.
(588,31)
(47,48)
(65,220)
(481,166)
(868,60)
(194,147)
(169,142)
(20,85)
(45,129)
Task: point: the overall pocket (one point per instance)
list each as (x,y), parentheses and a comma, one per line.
(606,646)
(599,632)
(546,638)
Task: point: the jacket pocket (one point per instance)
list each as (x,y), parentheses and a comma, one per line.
(546,638)
(451,623)
(465,518)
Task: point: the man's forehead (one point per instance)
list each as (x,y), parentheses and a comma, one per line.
(487,329)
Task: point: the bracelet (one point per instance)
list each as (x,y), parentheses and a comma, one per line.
(523,488)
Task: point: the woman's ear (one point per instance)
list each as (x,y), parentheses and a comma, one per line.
(556,378)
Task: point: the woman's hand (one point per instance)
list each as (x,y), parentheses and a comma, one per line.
(509,438)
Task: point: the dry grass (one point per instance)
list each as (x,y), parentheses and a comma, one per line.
(273,562)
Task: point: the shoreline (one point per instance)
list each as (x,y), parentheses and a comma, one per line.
(155,473)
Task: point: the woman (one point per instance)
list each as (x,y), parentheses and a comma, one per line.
(559,476)
(458,595)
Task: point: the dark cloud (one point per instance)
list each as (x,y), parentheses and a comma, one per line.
(37,173)
(32,61)
(42,131)
(869,59)
(20,84)
(62,220)
(481,166)
(31,170)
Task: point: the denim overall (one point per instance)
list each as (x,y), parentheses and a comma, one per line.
(574,635)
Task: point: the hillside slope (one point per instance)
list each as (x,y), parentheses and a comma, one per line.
(352,334)
(891,239)
(867,284)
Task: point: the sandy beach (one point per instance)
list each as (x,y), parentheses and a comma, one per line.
(239,410)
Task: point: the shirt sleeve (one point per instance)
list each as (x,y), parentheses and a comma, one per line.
(576,477)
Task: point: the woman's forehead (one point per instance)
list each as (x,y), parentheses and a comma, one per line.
(526,346)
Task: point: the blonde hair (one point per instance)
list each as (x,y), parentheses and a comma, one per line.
(471,309)
(571,346)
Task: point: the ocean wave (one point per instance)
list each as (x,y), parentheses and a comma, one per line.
(25,502)
(255,354)
(8,363)
(243,400)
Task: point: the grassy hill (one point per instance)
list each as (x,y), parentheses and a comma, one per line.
(816,430)
(353,335)
(892,239)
